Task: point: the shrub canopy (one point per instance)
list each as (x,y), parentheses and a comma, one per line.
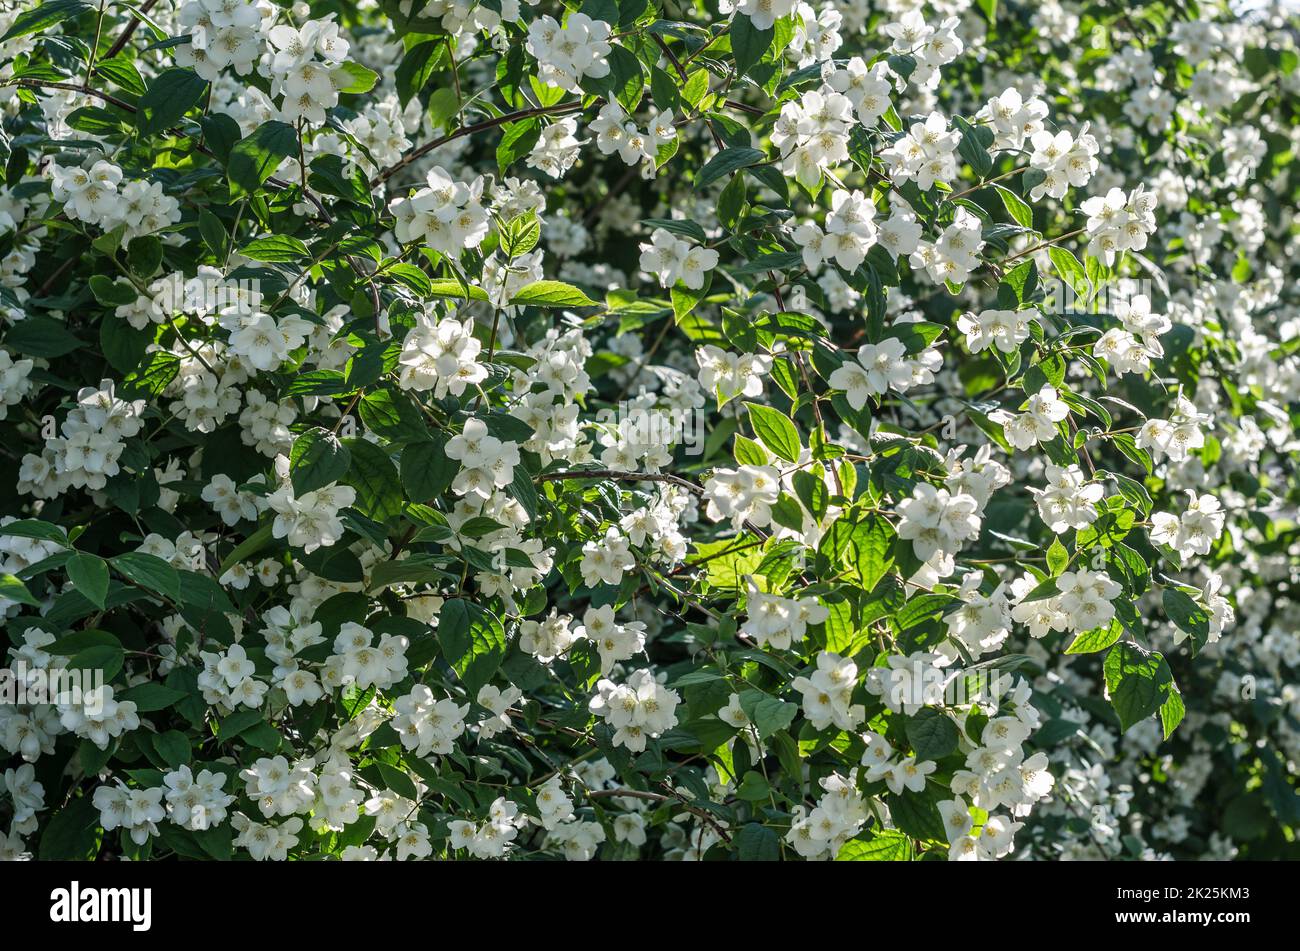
(648,429)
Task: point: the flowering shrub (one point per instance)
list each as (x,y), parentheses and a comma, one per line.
(649,429)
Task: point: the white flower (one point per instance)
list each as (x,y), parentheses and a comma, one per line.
(729,375)
(638,709)
(828,693)
(1037,422)
(605,560)
(426,725)
(1195,531)
(1004,329)
(743,495)
(566,54)
(1119,222)
(925,153)
(673,260)
(446,216)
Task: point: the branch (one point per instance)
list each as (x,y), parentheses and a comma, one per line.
(621,476)
(134,22)
(1044,244)
(71,87)
(470,130)
(629,794)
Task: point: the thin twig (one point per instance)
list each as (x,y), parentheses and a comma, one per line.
(125,37)
(470,130)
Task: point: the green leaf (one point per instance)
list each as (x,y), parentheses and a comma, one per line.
(95,121)
(416,69)
(41,337)
(43,17)
(871,542)
(974,146)
(148,571)
(144,256)
(551,294)
(517,141)
(360,79)
(1057,557)
(149,697)
(1189,616)
(753,787)
(121,72)
(1069,269)
(757,843)
(173,746)
(89,576)
(920,609)
(426,470)
(172,93)
(748,452)
(447,287)
(731,203)
(685,227)
(812,493)
(697,84)
(124,346)
(112,293)
(36,528)
(316,460)
(375,478)
(885,846)
(626,82)
(842,635)
(685,299)
(917,814)
(214,233)
(663,89)
(1134,492)
(107,658)
(1044,589)
(931,734)
(254,159)
(235,724)
(1172,711)
(1139,682)
(771,715)
(249,546)
(472,641)
(1091,642)
(14,591)
(520,235)
(726,162)
(748,43)
(1020,212)
(216,842)
(775,431)
(92,758)
(276,248)
(398,781)
(72,833)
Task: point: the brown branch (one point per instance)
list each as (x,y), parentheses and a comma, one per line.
(1044,244)
(134,22)
(621,476)
(470,130)
(71,87)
